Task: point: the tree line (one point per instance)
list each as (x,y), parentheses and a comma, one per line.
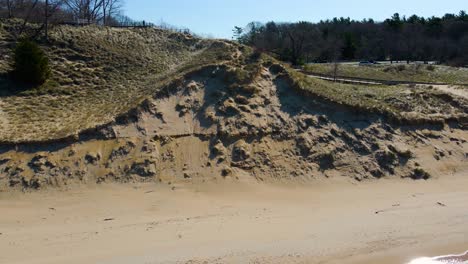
(414,38)
(92,11)
(77,12)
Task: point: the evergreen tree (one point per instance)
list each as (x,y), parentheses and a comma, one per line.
(30,63)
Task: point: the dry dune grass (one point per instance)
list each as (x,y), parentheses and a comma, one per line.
(401,103)
(98,73)
(411,73)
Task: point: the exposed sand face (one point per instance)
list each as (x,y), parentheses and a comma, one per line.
(459,91)
(388,221)
(205,127)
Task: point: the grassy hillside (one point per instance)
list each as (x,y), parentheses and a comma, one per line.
(411,105)
(98,73)
(402,72)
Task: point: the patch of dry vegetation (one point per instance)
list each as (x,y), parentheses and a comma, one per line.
(98,73)
(402,72)
(403,104)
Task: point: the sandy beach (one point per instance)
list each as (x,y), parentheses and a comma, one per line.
(337,221)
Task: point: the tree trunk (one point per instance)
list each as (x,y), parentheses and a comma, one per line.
(46,23)
(335,70)
(26,20)
(104,13)
(10,7)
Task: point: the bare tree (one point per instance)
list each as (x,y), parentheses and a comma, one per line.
(85,9)
(104,10)
(336,67)
(297,36)
(46,20)
(335,50)
(94,10)
(50,8)
(110,8)
(9,5)
(28,16)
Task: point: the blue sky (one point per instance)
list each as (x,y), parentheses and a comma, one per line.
(218,17)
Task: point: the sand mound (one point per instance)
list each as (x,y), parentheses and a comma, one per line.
(207,125)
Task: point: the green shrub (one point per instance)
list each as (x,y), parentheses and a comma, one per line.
(430,67)
(30,63)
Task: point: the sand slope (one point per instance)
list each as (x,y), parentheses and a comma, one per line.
(204,127)
(336,221)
